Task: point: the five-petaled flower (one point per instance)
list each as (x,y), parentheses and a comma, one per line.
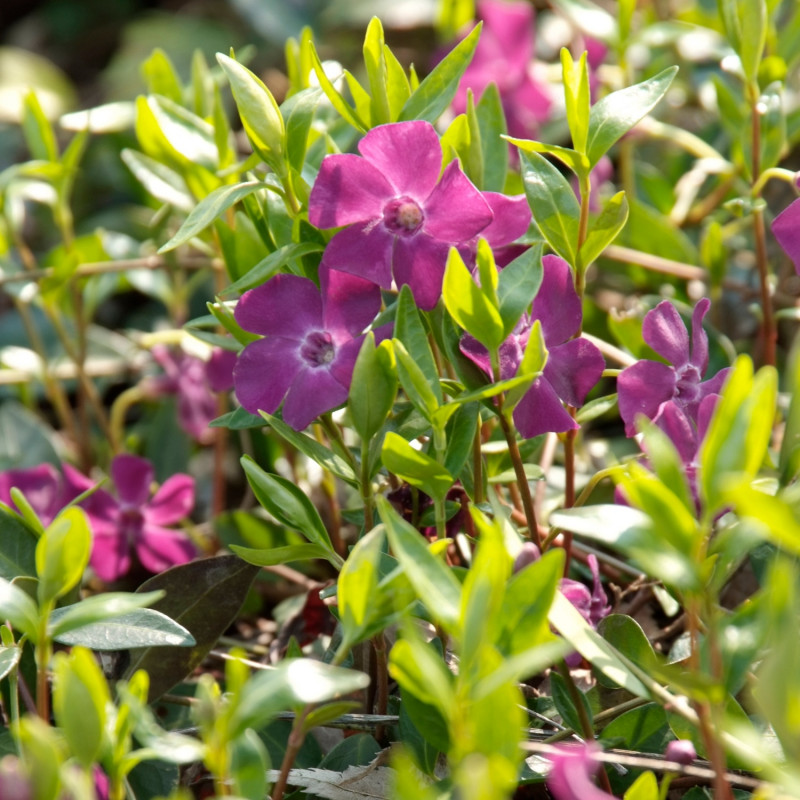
(401,219)
(131,522)
(574,365)
(311,341)
(647,387)
(572,771)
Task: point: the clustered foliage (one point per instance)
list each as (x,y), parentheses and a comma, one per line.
(518,436)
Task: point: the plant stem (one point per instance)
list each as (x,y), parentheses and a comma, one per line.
(522,478)
(366,488)
(293,745)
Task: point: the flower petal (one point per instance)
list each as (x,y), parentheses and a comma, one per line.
(172,502)
(161,548)
(476,353)
(420,261)
(508,27)
(264,372)
(41,486)
(557,305)
(286,305)
(313,392)
(364,249)
(347,189)
(786,228)
(540,411)
(110,558)
(407,154)
(571,774)
(641,389)
(511,218)
(455,211)
(349,303)
(674,421)
(132,477)
(699,336)
(664,330)
(573,368)
(219,370)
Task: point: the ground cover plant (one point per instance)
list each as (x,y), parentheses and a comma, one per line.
(432,430)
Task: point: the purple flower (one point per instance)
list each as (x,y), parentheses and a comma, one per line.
(786,227)
(504,57)
(195,382)
(647,386)
(682,751)
(593,606)
(311,341)
(572,771)
(401,217)
(132,522)
(512,216)
(46,490)
(573,365)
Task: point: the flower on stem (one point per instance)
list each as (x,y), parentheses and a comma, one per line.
(131,522)
(46,490)
(574,365)
(401,219)
(572,771)
(786,228)
(504,56)
(311,341)
(195,382)
(647,387)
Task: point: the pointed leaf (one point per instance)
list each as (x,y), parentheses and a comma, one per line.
(97,608)
(373,388)
(576,96)
(605,229)
(518,284)
(415,467)
(17,607)
(410,330)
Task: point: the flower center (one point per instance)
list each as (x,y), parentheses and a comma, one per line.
(317,349)
(687,386)
(130,523)
(402,215)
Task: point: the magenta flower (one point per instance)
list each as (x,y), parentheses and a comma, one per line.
(574,365)
(593,606)
(681,751)
(46,490)
(786,227)
(401,217)
(195,383)
(512,216)
(504,56)
(311,341)
(646,386)
(572,772)
(134,524)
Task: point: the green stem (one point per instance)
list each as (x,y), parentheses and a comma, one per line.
(366,488)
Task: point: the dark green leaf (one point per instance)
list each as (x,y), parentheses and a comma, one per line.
(605,229)
(373,387)
(415,467)
(268,266)
(97,608)
(299,111)
(518,283)
(17,547)
(492,124)
(281,555)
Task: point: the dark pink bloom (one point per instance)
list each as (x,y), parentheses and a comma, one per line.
(594,605)
(786,227)
(647,386)
(311,341)
(574,365)
(132,522)
(572,772)
(682,751)
(195,383)
(512,216)
(46,490)
(401,217)
(504,56)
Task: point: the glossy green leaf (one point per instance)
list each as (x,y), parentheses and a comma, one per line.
(425,396)
(555,208)
(616,113)
(287,503)
(602,233)
(518,283)
(160,76)
(575,161)
(627,636)
(789,458)
(208,209)
(299,112)
(260,114)
(410,330)
(666,462)
(62,554)
(80,696)
(420,671)
(492,125)
(164,183)
(398,88)
(435,584)
(249,764)
(202,596)
(746,28)
(9,659)
(415,467)
(373,387)
(645,787)
(39,134)
(337,101)
(97,608)
(281,555)
(469,304)
(269,265)
(644,729)
(461,431)
(438,89)
(576,95)
(187,136)
(17,607)
(375,64)
(17,547)
(357,585)
(773,124)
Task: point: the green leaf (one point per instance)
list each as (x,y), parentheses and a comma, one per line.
(268,266)
(398,87)
(17,547)
(438,89)
(17,607)
(80,697)
(616,113)
(435,584)
(461,431)
(415,467)
(281,555)
(746,28)
(645,787)
(313,449)
(576,96)
(624,633)
(492,125)
(260,114)
(163,183)
(24,440)
(357,586)
(789,459)
(10,656)
(373,387)
(575,161)
(97,608)
(249,764)
(562,700)
(41,744)
(288,504)
(208,209)
(469,304)
(409,329)
(160,76)
(555,208)
(425,396)
(605,229)
(518,283)
(202,596)
(336,99)
(644,729)
(62,554)
(375,64)
(39,135)
(299,112)
(666,463)
(773,125)
(534,360)
(420,671)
